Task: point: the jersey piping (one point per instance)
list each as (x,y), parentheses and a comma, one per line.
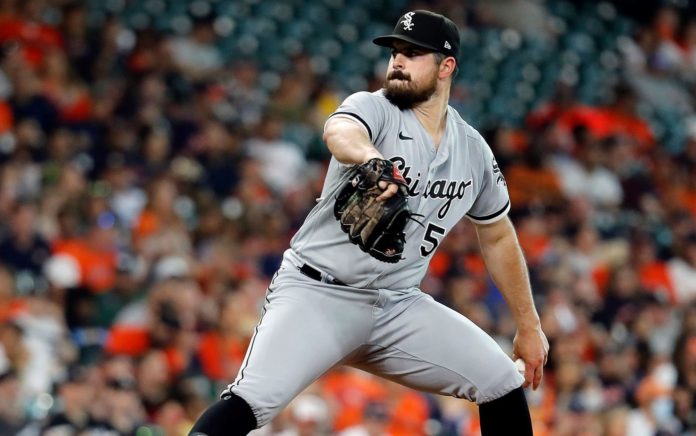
(491,216)
(357,117)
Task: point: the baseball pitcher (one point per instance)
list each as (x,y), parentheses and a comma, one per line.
(405,169)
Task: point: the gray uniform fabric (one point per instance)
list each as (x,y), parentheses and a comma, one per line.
(380,321)
(460,179)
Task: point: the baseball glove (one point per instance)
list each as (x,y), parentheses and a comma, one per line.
(377,227)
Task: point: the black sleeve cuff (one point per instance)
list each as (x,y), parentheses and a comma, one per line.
(357,117)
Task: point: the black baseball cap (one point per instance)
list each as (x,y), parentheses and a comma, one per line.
(427,30)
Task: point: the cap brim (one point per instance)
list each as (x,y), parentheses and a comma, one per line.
(387,41)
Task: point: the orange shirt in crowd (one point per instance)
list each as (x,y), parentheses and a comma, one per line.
(610,122)
(687,199)
(73,102)
(654,276)
(97,269)
(440,263)
(146,224)
(134,340)
(177,361)
(131,340)
(600,276)
(351,392)
(474,264)
(543,413)
(602,122)
(409,415)
(526,184)
(534,246)
(567,118)
(220,357)
(35,39)
(6,117)
(12,309)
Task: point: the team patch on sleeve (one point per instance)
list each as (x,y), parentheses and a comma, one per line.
(499,178)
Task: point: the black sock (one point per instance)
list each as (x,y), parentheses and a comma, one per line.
(229,417)
(507,415)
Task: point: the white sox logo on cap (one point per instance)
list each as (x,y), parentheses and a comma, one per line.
(408,21)
(434,32)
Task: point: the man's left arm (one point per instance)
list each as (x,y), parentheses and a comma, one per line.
(506,265)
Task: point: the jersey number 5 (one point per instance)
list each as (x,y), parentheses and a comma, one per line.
(430,240)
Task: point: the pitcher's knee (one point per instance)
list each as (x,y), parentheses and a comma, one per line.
(501,382)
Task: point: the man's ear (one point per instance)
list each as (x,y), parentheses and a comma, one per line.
(447,67)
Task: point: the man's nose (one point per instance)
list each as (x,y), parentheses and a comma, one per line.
(398,62)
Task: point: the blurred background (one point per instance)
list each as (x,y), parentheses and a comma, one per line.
(156,157)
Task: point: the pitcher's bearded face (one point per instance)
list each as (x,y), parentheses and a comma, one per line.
(411,76)
(404,92)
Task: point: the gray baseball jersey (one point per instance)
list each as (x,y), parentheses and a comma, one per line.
(330,303)
(459,178)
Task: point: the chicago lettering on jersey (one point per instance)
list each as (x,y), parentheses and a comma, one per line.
(438,188)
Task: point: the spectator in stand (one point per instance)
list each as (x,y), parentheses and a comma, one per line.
(587,177)
(63,88)
(682,269)
(15,356)
(95,253)
(27,100)
(654,412)
(685,190)
(273,152)
(13,418)
(126,198)
(154,379)
(22,248)
(76,394)
(22,23)
(375,421)
(666,26)
(620,118)
(125,409)
(10,303)
(245,101)
(220,151)
(532,182)
(688,47)
(652,271)
(195,55)
(291,101)
(160,230)
(157,144)
(221,350)
(75,32)
(654,58)
(309,415)
(562,109)
(617,118)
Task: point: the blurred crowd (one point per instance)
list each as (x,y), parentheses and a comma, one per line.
(148,188)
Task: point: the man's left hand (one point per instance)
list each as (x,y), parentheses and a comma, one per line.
(531,346)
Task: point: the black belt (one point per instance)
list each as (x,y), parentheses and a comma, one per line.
(317,275)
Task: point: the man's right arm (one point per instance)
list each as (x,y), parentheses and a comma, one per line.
(349,141)
(350,144)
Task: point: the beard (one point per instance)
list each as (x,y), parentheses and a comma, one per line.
(404,93)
